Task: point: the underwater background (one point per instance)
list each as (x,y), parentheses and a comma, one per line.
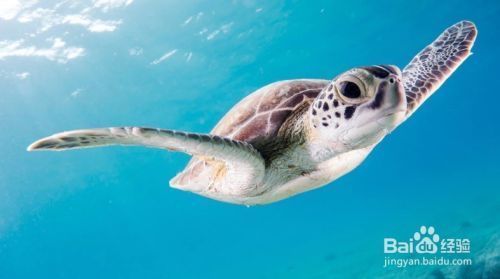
(109,213)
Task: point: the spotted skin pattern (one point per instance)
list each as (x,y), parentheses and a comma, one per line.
(329,111)
(434,64)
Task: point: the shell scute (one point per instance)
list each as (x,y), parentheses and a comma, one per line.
(274,104)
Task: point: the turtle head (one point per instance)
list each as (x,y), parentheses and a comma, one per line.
(358,108)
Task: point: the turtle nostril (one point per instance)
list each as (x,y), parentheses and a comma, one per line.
(393,78)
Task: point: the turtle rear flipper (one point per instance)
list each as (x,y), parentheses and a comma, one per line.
(434,64)
(244,165)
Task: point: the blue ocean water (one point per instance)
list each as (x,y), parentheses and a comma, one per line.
(109,213)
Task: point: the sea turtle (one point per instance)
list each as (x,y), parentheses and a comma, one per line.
(296,135)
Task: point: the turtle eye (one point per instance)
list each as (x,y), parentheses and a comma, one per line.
(351,90)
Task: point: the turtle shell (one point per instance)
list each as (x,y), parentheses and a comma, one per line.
(259,116)
(256,119)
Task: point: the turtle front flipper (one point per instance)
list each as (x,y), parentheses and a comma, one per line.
(244,165)
(434,64)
